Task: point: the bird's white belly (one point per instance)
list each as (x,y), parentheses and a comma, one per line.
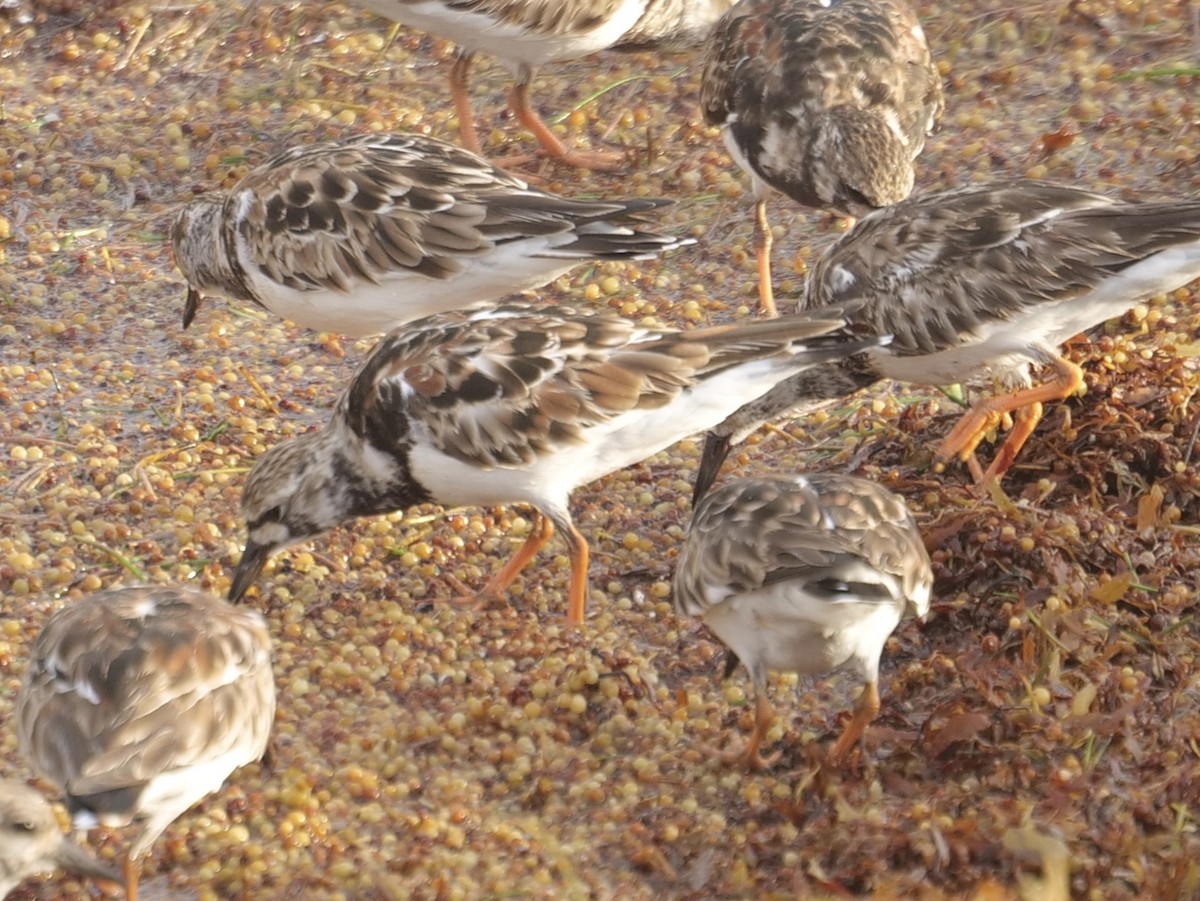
(1003,347)
(759,189)
(170,793)
(785,629)
(965,363)
(510,41)
(625,439)
(369,309)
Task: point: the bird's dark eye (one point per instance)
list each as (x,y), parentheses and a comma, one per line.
(22,826)
(857,199)
(275,514)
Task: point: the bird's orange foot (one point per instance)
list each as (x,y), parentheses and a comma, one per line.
(841,750)
(518,161)
(597,161)
(468,599)
(333,344)
(865,710)
(967,434)
(748,757)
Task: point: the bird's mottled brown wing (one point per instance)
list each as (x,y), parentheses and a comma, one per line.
(767,529)
(933,268)
(501,387)
(673,25)
(499,390)
(734,44)
(363,210)
(329,216)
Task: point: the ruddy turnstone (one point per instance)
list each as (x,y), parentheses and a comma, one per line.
(984,281)
(138,702)
(527,34)
(826,101)
(516,405)
(31,842)
(803,574)
(360,235)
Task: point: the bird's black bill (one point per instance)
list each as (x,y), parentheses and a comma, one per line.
(716,449)
(731,663)
(254,558)
(191,307)
(74,859)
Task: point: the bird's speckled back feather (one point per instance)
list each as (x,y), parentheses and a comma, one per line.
(827,103)
(767,529)
(936,269)
(495,389)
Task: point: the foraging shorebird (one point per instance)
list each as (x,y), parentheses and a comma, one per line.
(803,574)
(138,702)
(825,101)
(360,235)
(516,405)
(984,282)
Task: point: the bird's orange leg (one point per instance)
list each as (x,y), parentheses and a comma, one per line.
(130,871)
(518,100)
(460,93)
(1024,421)
(865,710)
(748,755)
(966,435)
(762,249)
(577,548)
(543,531)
